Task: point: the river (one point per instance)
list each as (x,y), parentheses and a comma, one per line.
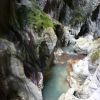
(57,84)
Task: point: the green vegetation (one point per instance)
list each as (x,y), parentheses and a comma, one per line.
(78,17)
(33,17)
(95,55)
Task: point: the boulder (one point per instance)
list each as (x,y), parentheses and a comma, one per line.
(83,45)
(85,83)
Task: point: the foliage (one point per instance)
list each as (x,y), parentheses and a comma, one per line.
(78,17)
(95,55)
(33,17)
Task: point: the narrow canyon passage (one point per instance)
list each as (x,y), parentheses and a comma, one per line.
(58,83)
(50,50)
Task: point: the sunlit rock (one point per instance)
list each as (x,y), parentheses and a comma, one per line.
(85,77)
(50,37)
(88,91)
(57,54)
(40,83)
(69,36)
(41,3)
(26,3)
(81,68)
(83,45)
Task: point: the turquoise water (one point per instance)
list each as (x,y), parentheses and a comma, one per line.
(69,49)
(57,84)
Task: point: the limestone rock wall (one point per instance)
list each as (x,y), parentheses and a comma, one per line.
(13,82)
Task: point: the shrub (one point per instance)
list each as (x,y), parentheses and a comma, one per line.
(95,55)
(78,17)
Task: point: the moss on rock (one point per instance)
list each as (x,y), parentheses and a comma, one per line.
(78,17)
(33,17)
(95,55)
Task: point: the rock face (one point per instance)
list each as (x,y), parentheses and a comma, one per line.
(69,14)
(84,79)
(91,24)
(35,36)
(53,8)
(66,11)
(41,3)
(13,82)
(33,41)
(50,37)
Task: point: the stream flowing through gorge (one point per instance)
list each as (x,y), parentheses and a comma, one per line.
(50,50)
(57,83)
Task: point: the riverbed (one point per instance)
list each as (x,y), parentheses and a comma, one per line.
(57,83)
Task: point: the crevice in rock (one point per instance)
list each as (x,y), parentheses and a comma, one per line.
(69,3)
(95,13)
(62,13)
(84,29)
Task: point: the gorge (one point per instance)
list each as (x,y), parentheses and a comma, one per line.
(50,50)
